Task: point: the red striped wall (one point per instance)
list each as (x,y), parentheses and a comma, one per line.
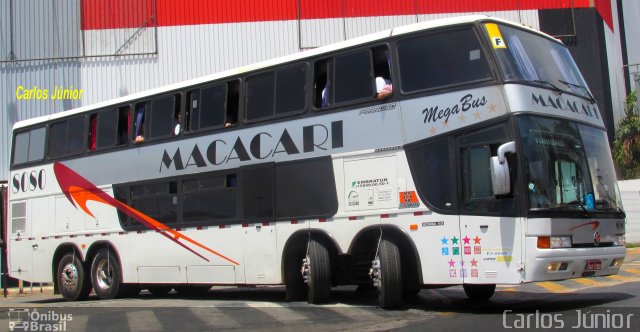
(111,14)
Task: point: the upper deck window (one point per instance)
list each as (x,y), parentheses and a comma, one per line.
(276,92)
(66,137)
(28,146)
(441,59)
(525,56)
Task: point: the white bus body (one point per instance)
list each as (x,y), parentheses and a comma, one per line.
(63,214)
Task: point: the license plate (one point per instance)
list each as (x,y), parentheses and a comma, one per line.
(594,265)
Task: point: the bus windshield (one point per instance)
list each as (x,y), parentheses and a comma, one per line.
(567,165)
(524,56)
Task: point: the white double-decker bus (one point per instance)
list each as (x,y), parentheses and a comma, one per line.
(465,151)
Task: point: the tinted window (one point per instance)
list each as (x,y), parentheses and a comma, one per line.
(305,189)
(158,201)
(29,146)
(260,96)
(441,59)
(431,168)
(162,117)
(57,139)
(36,144)
(66,137)
(212,108)
(290,89)
(107,128)
(21,147)
(208,200)
(353,77)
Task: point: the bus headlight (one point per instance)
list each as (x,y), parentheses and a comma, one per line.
(619,240)
(553,242)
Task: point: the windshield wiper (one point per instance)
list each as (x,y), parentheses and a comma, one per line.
(554,88)
(570,204)
(591,99)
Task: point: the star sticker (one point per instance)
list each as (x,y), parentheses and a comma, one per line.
(492,108)
(476,240)
(444,241)
(461,263)
(477,115)
(452,263)
(433,130)
(445,124)
(466,239)
(454,240)
(461,118)
(474,262)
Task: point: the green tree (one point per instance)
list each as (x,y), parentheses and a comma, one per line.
(626,145)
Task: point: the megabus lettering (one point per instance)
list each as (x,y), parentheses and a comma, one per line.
(261,146)
(562,104)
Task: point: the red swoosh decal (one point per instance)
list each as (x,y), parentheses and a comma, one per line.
(79,190)
(594,225)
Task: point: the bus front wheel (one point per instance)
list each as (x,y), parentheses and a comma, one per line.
(316,272)
(386,272)
(106,275)
(72,278)
(479,292)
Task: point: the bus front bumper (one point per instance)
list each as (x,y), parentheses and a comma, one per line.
(567,263)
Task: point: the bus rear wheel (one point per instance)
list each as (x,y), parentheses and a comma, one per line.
(386,272)
(72,279)
(479,292)
(316,272)
(106,275)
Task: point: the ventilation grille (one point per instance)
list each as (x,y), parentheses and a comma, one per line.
(19,217)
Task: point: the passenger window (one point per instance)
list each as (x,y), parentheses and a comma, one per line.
(290,89)
(260,96)
(213,106)
(162,117)
(28,146)
(441,59)
(208,107)
(322,89)
(66,137)
(158,118)
(208,200)
(108,128)
(275,93)
(353,77)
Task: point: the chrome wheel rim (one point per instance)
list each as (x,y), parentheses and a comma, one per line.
(69,277)
(104,274)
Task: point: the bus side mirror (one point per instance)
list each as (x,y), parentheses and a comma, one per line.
(500,178)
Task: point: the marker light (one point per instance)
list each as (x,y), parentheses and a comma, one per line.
(553,242)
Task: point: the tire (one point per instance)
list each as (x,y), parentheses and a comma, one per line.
(319,273)
(295,289)
(479,292)
(159,290)
(390,275)
(72,279)
(106,275)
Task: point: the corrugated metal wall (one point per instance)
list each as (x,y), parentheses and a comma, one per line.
(192,38)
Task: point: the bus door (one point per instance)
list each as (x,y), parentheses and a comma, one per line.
(260,258)
(490,232)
